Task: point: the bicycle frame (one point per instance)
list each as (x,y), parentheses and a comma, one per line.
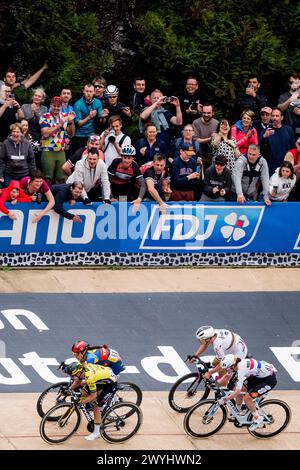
(109,401)
(240,420)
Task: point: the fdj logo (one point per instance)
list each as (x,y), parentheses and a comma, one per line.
(196,227)
(235,227)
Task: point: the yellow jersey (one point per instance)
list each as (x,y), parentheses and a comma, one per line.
(95,375)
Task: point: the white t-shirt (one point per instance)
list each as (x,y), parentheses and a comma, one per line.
(110,152)
(283,186)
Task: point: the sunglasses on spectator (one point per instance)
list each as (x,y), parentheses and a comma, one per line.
(263,113)
(225,123)
(219,164)
(97,85)
(94,138)
(297,143)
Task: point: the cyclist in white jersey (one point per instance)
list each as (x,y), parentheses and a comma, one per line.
(254,378)
(223,341)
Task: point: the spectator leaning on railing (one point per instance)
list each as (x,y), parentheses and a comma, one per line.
(67,193)
(12,194)
(92,173)
(247,175)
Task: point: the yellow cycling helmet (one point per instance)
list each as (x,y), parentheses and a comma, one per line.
(73,368)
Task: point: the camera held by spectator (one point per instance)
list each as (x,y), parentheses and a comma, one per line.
(111,136)
(38,198)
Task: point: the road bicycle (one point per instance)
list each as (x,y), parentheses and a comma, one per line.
(208,417)
(189,389)
(60,393)
(120,420)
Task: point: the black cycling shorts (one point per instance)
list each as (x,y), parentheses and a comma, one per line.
(104,390)
(257,386)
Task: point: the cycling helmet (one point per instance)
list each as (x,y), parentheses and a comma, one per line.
(73,368)
(111,90)
(63,367)
(79,347)
(128,151)
(205,332)
(228,361)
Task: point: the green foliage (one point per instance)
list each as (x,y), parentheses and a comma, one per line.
(70,42)
(222,42)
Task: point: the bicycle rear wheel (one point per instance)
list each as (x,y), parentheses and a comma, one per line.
(277,417)
(200,422)
(187,392)
(130,392)
(60,423)
(51,397)
(121,422)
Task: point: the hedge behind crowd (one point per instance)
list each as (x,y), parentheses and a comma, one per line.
(219,41)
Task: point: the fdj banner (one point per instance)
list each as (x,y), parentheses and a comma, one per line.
(185,227)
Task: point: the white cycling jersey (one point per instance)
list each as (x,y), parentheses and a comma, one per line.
(251,367)
(228,342)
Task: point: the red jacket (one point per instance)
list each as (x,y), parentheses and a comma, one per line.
(240,136)
(5,196)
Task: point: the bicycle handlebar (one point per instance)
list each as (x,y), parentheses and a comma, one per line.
(203,366)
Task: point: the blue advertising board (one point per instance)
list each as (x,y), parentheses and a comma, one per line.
(185,227)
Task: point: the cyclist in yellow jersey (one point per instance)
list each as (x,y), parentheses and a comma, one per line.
(100,381)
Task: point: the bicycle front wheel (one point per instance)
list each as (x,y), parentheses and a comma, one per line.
(130,392)
(187,392)
(203,420)
(51,397)
(277,415)
(60,423)
(121,422)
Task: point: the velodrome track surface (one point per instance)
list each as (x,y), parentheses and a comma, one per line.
(162,428)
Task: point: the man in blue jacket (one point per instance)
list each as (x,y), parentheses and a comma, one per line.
(184,176)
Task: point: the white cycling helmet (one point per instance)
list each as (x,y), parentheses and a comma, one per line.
(111,90)
(128,150)
(205,332)
(228,361)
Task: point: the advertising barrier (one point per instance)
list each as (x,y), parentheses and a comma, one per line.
(184,228)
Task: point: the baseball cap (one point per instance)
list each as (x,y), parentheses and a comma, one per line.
(221,160)
(266,109)
(185,146)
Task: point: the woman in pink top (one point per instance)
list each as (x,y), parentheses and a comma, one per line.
(243,131)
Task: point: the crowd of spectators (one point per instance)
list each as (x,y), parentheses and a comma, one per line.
(150,147)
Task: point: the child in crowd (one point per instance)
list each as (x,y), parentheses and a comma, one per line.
(12,194)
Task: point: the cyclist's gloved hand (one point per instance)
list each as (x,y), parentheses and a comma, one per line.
(76,397)
(65,390)
(190,358)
